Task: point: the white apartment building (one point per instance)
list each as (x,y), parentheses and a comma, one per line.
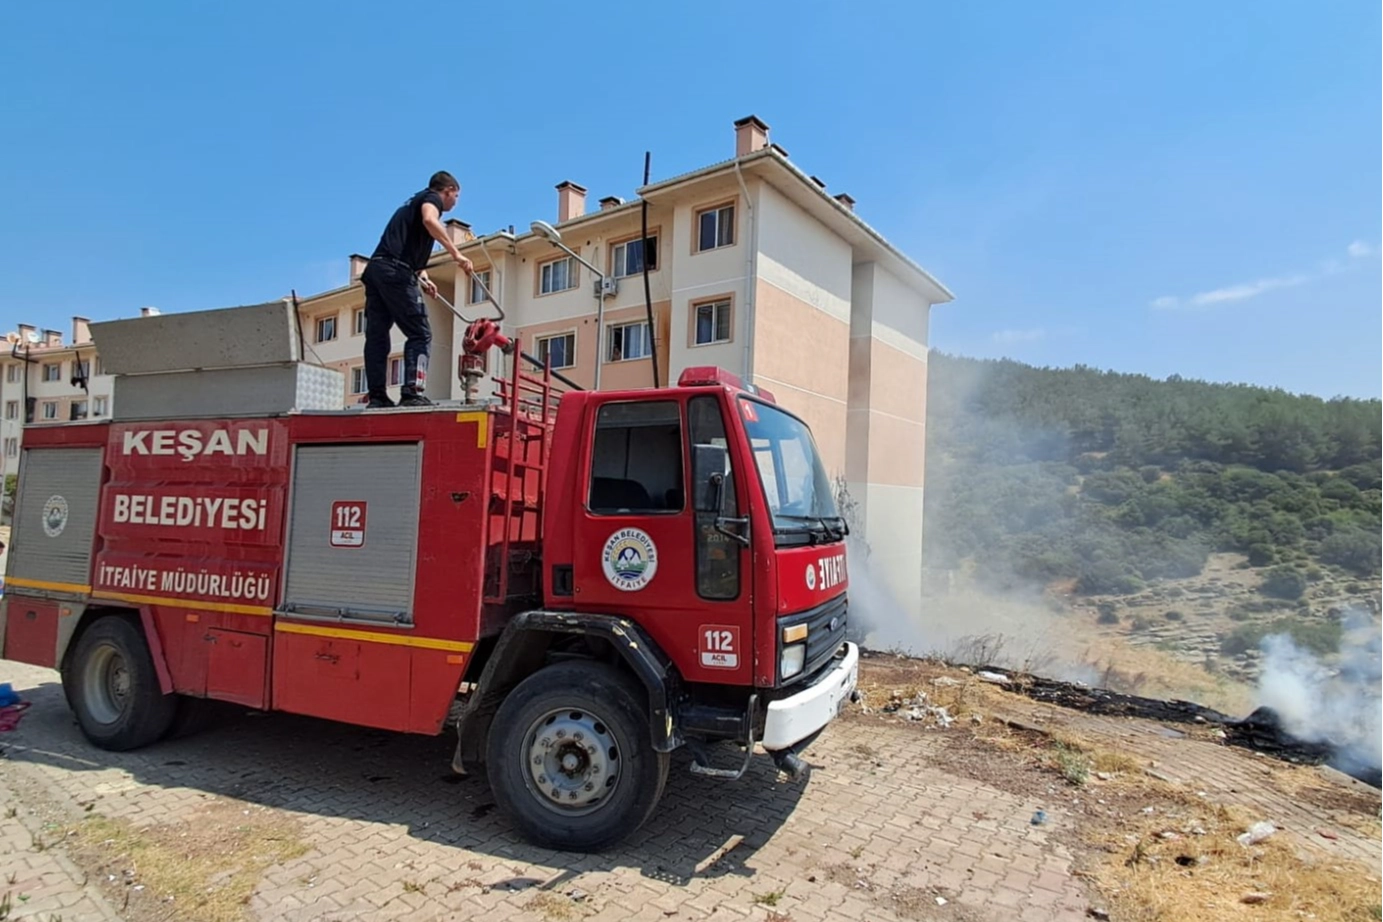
(753,267)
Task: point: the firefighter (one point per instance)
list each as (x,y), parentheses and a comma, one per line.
(394,281)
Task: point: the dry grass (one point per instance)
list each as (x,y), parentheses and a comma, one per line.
(206,866)
(1206,876)
(1155,673)
(554,907)
(1100,758)
(884,676)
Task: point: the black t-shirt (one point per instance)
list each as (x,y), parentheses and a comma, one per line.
(405,238)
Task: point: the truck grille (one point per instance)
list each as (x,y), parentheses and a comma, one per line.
(822,641)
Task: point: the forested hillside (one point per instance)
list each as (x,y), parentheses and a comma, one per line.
(1112,480)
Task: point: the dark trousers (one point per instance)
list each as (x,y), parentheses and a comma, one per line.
(393,298)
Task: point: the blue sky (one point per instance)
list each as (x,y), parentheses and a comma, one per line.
(1165,188)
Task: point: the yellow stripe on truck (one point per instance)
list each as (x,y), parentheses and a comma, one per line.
(482,421)
(257,610)
(44,584)
(425,643)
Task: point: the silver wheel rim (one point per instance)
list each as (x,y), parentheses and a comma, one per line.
(572,763)
(106,684)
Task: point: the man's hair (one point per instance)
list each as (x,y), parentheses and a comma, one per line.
(441,181)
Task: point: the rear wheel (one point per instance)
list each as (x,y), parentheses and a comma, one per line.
(113,687)
(571,760)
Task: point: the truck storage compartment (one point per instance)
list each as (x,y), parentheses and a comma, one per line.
(31,631)
(55,519)
(353,533)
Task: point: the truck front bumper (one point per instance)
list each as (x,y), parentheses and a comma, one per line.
(791,720)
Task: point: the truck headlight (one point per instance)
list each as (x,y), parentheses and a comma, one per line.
(794,658)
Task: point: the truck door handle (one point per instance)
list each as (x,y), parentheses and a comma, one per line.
(722,522)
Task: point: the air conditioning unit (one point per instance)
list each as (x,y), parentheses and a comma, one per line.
(605,288)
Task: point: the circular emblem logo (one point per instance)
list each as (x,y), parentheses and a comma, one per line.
(811,576)
(835,623)
(630,559)
(54,516)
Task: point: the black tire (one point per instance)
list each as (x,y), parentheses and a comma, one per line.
(114,688)
(607,784)
(192,717)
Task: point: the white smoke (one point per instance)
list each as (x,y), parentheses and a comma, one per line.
(1337,702)
(968,626)
(877,620)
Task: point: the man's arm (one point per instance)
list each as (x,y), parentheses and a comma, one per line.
(432,220)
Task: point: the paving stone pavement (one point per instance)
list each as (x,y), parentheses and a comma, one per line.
(876,832)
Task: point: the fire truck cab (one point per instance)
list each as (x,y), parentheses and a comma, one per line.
(578,583)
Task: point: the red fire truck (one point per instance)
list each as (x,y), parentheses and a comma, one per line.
(578,582)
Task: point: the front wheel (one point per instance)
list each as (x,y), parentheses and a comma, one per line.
(113,687)
(571,760)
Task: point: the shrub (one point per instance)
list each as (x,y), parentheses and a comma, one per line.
(1283,583)
(1107,617)
(1262,555)
(1174,615)
(1355,549)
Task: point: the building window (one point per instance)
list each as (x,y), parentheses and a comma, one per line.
(557,275)
(478,279)
(50,409)
(11,447)
(628,258)
(395,372)
(358,318)
(81,368)
(11,409)
(326,329)
(52,371)
(12,374)
(628,341)
(78,410)
(98,406)
(712,323)
(358,380)
(560,351)
(100,366)
(715,228)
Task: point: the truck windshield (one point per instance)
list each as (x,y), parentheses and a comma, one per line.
(794,482)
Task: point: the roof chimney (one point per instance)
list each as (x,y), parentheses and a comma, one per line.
(459,231)
(845,199)
(148,312)
(28,333)
(610,201)
(751,134)
(81,331)
(571,201)
(52,338)
(358,264)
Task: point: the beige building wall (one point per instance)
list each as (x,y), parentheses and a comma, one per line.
(802,320)
(886,432)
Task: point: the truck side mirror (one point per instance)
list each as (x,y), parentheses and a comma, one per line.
(708,477)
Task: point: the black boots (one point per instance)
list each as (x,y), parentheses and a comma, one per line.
(382,401)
